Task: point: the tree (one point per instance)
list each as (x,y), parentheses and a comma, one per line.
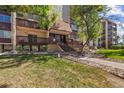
(45,18)
(88,19)
(123,39)
(118,39)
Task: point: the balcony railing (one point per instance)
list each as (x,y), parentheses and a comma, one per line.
(27,23)
(25,40)
(5,40)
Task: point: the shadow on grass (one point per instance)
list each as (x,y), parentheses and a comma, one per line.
(4,86)
(17,60)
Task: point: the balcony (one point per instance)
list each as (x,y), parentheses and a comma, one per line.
(25,40)
(27,23)
(5,40)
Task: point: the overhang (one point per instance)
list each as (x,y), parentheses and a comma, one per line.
(61,27)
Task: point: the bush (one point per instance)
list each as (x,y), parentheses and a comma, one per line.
(45,47)
(117,47)
(19,48)
(22,50)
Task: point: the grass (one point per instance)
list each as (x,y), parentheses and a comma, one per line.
(48,71)
(114,54)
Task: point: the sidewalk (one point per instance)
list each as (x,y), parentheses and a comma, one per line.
(112,67)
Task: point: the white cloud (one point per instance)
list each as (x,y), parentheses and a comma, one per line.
(119,15)
(120,29)
(115,10)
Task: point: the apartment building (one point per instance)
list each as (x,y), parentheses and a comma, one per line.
(28,34)
(5,31)
(108,35)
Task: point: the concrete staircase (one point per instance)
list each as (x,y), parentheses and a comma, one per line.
(60,48)
(66,48)
(54,48)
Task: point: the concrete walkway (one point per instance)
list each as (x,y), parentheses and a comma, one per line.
(112,67)
(104,62)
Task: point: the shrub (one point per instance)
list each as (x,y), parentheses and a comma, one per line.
(117,47)
(45,47)
(19,48)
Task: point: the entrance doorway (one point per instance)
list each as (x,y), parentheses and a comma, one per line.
(59,38)
(63,38)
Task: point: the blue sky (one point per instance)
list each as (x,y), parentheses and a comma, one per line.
(117,15)
(116,12)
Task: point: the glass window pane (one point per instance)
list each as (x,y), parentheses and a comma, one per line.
(7,34)
(1,34)
(5,18)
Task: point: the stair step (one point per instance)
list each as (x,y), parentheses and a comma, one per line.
(66,48)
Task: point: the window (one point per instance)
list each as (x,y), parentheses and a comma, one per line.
(110,33)
(73,27)
(1,34)
(32,17)
(32,38)
(5,34)
(26,23)
(114,27)
(29,38)
(109,26)
(5,18)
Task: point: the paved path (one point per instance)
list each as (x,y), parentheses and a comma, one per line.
(104,62)
(112,67)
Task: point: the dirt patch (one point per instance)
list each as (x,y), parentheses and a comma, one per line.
(4,86)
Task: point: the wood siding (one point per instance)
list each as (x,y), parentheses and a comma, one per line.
(60,32)
(25,31)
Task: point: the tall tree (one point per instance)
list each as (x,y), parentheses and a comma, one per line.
(88,19)
(46,16)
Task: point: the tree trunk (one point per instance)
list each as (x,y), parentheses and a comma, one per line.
(13,30)
(82,48)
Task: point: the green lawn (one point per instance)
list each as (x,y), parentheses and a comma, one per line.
(48,71)
(115,54)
